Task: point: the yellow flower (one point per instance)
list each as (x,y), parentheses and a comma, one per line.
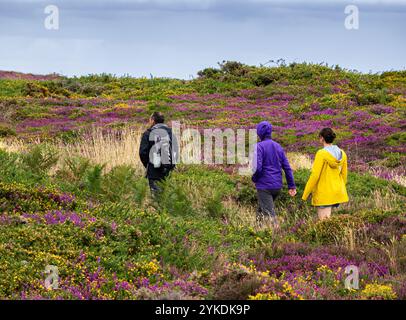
(375,291)
(122,106)
(264,296)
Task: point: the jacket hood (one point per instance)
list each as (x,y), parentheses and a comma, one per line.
(332,161)
(264,130)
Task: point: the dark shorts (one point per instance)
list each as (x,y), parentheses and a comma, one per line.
(329,206)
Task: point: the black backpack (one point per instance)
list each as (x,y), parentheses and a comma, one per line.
(162,153)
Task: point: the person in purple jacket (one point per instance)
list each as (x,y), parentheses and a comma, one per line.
(268,162)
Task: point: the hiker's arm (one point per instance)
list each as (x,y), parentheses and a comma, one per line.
(144,149)
(344,171)
(314,177)
(288,171)
(257,160)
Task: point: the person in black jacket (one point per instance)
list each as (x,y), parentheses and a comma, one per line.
(159,151)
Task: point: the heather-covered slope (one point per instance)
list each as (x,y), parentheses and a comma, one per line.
(368,111)
(78,200)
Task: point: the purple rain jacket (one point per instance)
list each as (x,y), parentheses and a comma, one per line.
(268,161)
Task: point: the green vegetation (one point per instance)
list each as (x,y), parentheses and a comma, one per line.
(97,223)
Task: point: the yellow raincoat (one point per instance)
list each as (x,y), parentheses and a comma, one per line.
(327,182)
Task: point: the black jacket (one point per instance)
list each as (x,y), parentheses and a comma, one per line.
(146,146)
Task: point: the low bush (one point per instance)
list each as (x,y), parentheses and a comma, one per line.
(235,283)
(375,291)
(123,184)
(174,200)
(11,169)
(376,216)
(40,159)
(6,131)
(336,229)
(19,198)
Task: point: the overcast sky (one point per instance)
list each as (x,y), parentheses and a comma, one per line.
(176,38)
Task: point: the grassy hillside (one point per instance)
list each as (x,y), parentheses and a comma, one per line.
(72,192)
(367,110)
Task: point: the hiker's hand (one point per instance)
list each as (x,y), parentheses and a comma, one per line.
(292,192)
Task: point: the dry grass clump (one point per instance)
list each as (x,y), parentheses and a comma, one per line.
(112,149)
(14,145)
(387,200)
(299,160)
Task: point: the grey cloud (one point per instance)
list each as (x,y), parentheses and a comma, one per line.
(177,38)
(231,7)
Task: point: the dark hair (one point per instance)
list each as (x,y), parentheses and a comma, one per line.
(328,135)
(158,117)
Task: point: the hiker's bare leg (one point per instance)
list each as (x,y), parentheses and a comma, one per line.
(324,213)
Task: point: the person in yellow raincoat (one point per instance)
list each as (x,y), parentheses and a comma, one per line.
(327,182)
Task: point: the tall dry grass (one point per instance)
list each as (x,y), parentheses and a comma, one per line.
(241,215)
(121,148)
(15,145)
(386,200)
(112,148)
(299,160)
